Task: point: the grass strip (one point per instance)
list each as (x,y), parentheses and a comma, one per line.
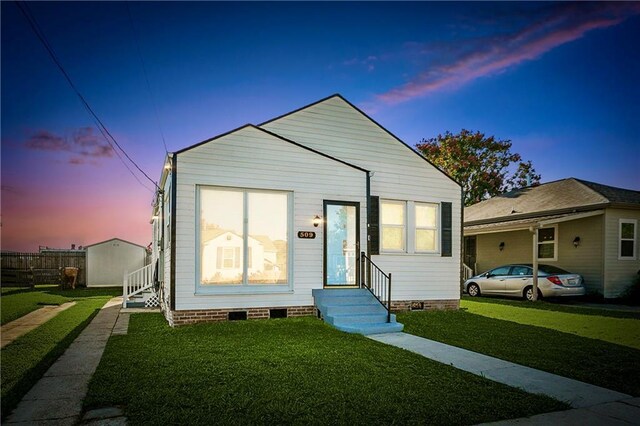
(588,360)
(621,331)
(18,304)
(288,371)
(26,359)
(545,305)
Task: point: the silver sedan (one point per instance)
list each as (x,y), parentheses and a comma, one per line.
(517,281)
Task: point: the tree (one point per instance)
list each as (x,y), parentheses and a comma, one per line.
(483,165)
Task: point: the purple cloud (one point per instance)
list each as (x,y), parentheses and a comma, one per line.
(83,143)
(468,60)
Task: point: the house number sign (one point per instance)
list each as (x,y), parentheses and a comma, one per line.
(306,234)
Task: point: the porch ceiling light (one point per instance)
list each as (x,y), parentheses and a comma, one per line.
(317,221)
(501,246)
(576,242)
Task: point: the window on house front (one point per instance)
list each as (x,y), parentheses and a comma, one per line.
(244,236)
(393,225)
(426,227)
(547,243)
(628,235)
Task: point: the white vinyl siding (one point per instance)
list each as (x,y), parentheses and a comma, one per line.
(628,237)
(254,160)
(335,128)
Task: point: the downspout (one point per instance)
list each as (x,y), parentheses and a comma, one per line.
(369,214)
(174,197)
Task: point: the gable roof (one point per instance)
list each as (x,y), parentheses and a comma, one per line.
(251,126)
(113,239)
(558,197)
(397,139)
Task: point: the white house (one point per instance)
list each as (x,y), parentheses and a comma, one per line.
(257,221)
(108,261)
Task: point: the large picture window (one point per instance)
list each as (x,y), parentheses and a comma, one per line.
(547,243)
(244,236)
(392,224)
(628,234)
(426,227)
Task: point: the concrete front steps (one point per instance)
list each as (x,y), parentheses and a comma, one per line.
(354,311)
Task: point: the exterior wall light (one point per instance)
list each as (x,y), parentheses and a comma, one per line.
(501,246)
(317,221)
(576,242)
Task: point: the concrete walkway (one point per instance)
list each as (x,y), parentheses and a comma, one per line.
(57,397)
(14,329)
(602,406)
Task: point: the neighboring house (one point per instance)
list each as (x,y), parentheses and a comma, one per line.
(583,227)
(257,219)
(108,261)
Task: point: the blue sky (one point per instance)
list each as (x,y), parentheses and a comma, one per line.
(558,79)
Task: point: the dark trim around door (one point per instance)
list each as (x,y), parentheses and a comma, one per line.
(324,240)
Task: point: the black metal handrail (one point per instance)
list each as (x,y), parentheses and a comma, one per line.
(376,281)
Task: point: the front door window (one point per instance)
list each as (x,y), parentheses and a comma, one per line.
(341,243)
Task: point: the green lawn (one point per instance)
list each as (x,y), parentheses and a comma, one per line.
(622,331)
(26,359)
(288,371)
(589,360)
(18,302)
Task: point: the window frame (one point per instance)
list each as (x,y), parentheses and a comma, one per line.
(245,287)
(554,242)
(634,222)
(435,228)
(404,227)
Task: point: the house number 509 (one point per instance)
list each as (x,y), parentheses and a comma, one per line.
(306,234)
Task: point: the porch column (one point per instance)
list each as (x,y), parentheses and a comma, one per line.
(534,232)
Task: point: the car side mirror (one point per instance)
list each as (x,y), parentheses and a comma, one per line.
(489,275)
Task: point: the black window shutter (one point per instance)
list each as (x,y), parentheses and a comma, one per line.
(374,224)
(445,229)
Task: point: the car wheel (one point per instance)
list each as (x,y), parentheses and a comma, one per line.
(473,290)
(528,294)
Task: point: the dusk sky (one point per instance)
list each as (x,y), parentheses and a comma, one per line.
(560,80)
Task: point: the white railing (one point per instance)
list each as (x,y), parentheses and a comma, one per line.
(467,272)
(137,282)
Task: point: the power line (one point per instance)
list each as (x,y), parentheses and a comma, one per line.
(136,37)
(103,129)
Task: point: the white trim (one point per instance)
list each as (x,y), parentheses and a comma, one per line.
(554,242)
(635,239)
(403,226)
(245,287)
(435,228)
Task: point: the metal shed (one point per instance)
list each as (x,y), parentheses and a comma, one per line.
(108,261)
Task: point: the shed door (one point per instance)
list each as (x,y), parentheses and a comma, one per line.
(341,243)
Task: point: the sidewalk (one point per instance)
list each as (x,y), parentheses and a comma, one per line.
(614,407)
(16,328)
(57,397)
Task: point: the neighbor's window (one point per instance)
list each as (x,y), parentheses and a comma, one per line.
(426,227)
(392,225)
(628,233)
(547,239)
(243,236)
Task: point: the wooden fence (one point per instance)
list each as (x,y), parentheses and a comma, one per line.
(27,269)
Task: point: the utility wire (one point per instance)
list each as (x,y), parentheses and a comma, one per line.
(103,129)
(136,37)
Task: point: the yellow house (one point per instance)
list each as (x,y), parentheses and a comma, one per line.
(583,227)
